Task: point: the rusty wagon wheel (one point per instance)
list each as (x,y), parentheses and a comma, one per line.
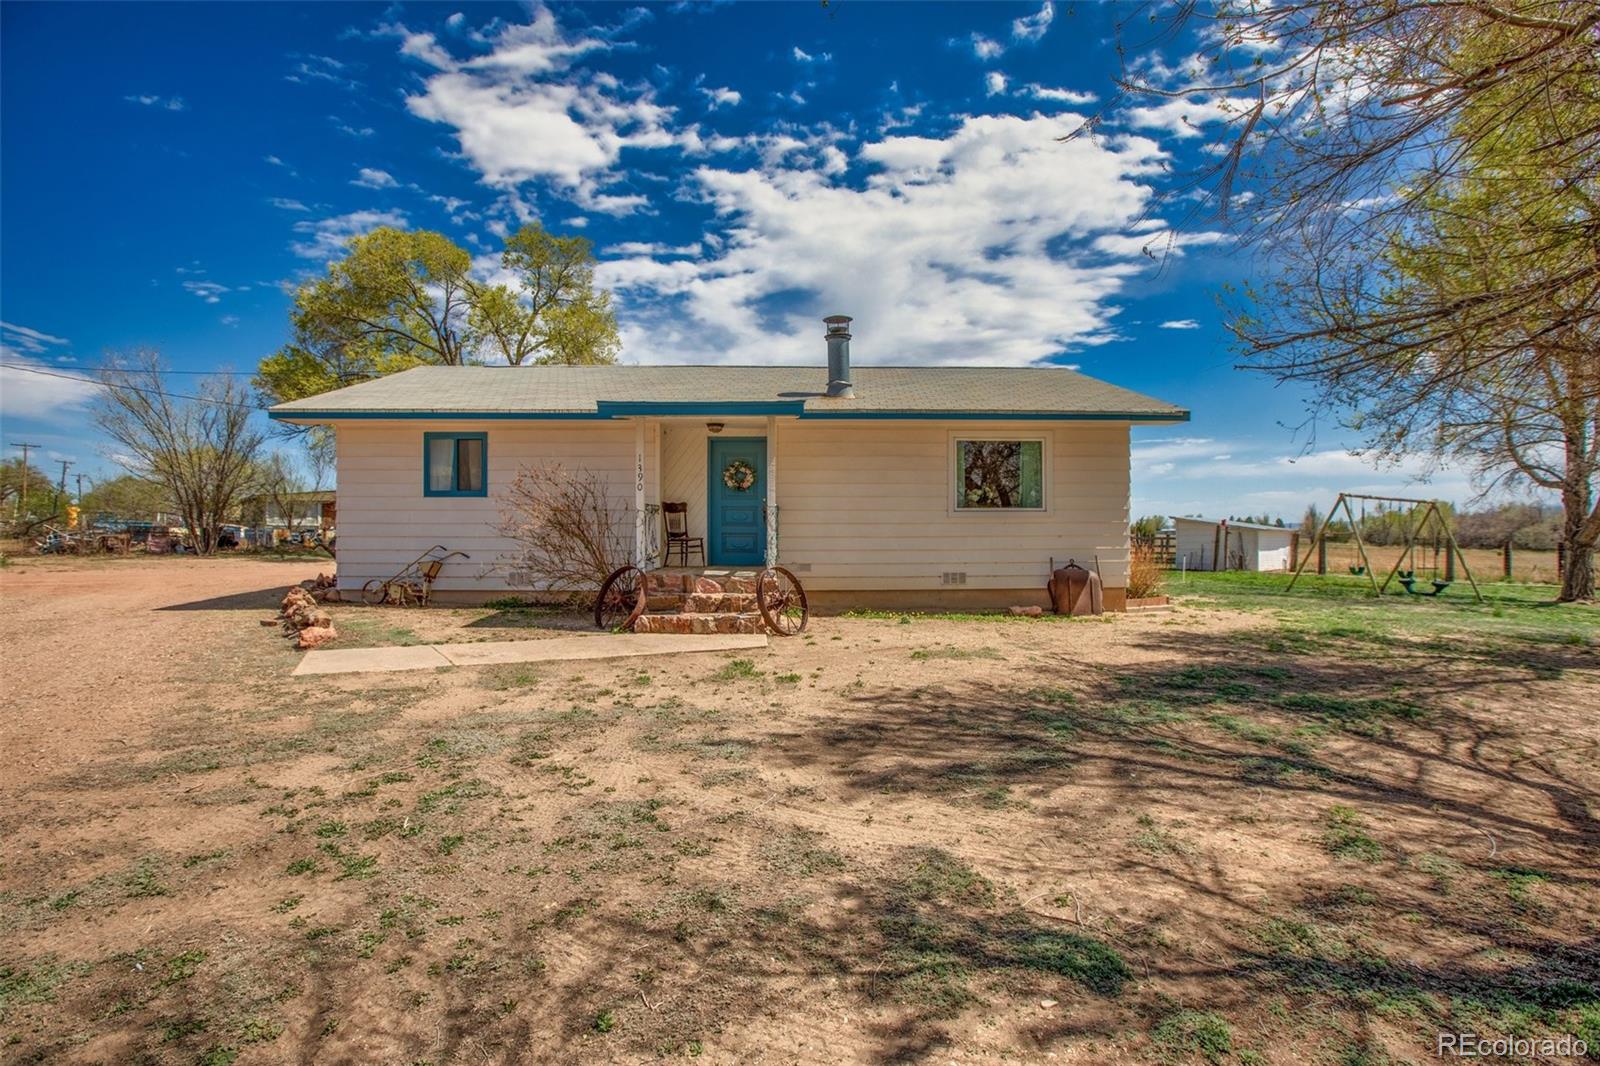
(782,601)
(374,592)
(621,599)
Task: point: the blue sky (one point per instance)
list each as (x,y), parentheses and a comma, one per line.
(171,171)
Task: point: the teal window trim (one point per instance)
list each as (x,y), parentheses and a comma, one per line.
(455,471)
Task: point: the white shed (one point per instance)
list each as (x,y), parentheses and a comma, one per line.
(1241,545)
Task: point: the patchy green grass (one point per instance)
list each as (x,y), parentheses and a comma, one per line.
(368,628)
(1344,834)
(737,670)
(1186,1033)
(951,651)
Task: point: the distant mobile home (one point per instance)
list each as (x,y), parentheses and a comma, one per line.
(894,486)
(1200,542)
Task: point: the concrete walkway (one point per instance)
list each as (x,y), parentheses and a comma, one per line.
(552,649)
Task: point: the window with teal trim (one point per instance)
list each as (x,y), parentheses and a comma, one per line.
(455,464)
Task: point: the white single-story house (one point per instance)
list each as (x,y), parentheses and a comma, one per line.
(877,486)
(1200,542)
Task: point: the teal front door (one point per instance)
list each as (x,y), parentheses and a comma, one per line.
(736,521)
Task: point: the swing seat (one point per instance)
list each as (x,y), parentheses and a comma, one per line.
(1439,585)
(1358,570)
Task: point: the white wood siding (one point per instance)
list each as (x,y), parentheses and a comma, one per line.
(862,506)
(870,506)
(385,521)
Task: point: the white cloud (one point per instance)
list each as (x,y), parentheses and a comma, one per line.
(325,238)
(286,204)
(986,48)
(722,97)
(37,391)
(802,56)
(994,83)
(165,103)
(1179,323)
(209,291)
(30,387)
(963,248)
(1069,97)
(1153,242)
(1243,477)
(31,341)
(372,178)
(1033,27)
(652,248)
(1185,117)
(229,320)
(310,68)
(521,112)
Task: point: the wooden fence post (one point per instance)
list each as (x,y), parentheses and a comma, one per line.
(1322,556)
(1505,558)
(1561,559)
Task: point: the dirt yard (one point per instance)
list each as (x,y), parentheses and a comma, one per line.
(1251,830)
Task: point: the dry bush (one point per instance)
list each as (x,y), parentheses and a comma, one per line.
(1146,578)
(570,533)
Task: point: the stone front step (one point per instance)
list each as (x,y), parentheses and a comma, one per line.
(696,622)
(704,582)
(701,602)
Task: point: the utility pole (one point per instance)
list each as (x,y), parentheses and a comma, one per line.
(23,496)
(83,520)
(61,489)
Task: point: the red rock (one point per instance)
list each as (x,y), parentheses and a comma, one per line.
(294,596)
(269,621)
(1030,611)
(316,636)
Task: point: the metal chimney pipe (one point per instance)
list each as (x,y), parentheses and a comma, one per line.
(838,335)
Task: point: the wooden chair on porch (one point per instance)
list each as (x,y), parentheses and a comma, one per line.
(678,539)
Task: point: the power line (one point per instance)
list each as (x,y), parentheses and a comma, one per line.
(130,388)
(198,373)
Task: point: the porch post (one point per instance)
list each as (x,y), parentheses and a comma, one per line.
(772,490)
(638,493)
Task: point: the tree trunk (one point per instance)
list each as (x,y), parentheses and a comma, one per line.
(1577,542)
(1577,580)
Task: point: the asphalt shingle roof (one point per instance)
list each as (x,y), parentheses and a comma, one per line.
(579,390)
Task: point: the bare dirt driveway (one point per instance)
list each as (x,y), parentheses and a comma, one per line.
(1252,830)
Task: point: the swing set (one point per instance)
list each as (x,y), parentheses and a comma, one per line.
(1423,516)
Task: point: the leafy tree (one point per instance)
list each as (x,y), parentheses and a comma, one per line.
(1145,529)
(127,496)
(24,489)
(202,451)
(554,315)
(404,298)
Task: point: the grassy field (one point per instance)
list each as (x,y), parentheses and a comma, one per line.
(1256,829)
(1486,564)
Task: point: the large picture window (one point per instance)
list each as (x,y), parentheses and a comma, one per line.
(455,464)
(999,475)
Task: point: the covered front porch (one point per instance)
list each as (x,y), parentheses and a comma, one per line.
(721,466)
